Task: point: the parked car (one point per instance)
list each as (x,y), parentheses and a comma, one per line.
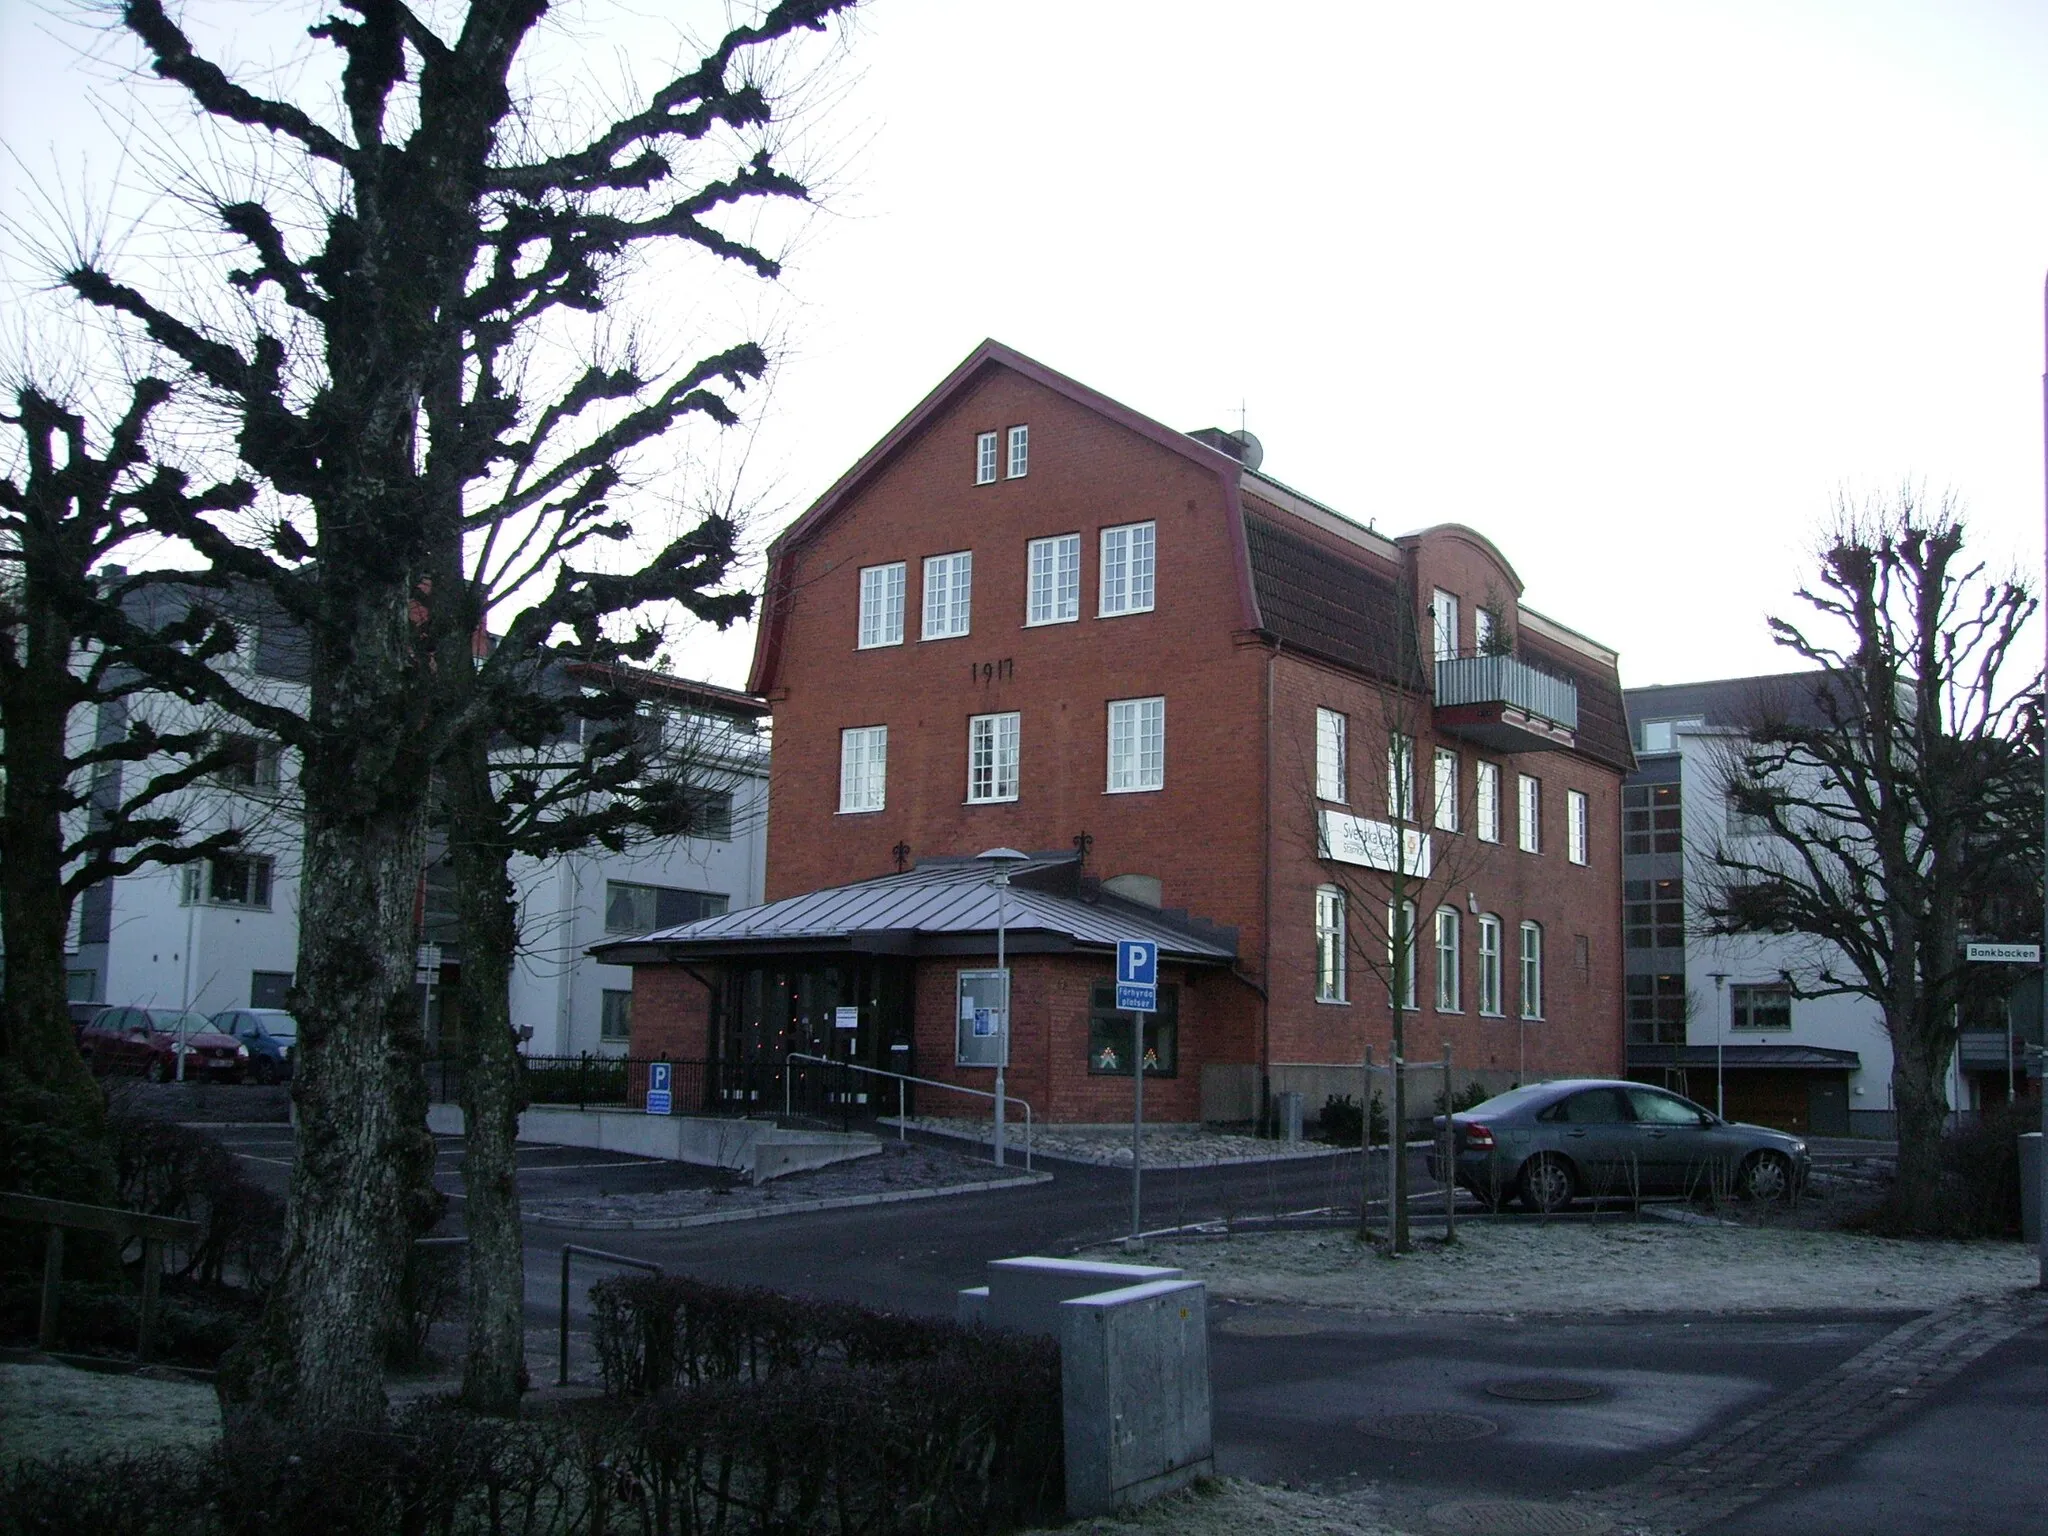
(1552,1143)
(271,1036)
(150,1040)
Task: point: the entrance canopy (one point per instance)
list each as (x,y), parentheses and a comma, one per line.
(941,907)
(1740,1058)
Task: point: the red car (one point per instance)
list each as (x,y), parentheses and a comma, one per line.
(149,1041)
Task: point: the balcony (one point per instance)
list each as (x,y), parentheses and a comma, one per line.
(1504,704)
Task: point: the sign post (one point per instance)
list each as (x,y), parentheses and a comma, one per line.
(659,1080)
(1137,993)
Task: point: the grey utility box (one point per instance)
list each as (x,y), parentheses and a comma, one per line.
(1025,1294)
(1134,1377)
(1288,1110)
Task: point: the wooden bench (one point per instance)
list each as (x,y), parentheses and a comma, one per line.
(55,1216)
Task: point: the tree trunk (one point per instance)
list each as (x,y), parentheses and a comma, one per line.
(361,1187)
(1920,1112)
(493,1089)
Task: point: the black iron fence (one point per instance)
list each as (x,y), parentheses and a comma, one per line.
(815,1091)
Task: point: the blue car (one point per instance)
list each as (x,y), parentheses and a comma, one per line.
(272,1036)
(1549,1144)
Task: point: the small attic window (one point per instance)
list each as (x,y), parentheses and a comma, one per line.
(1020,452)
(985,459)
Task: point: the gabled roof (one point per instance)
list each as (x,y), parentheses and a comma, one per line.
(936,908)
(989,355)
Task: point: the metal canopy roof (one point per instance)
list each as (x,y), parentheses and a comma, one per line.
(1783,1058)
(936,908)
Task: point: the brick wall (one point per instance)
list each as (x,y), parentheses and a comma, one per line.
(671,1014)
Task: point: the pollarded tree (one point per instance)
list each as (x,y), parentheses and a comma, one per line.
(1901,800)
(70,713)
(439,235)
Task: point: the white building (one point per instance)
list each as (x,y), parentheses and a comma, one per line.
(1715,1018)
(223,933)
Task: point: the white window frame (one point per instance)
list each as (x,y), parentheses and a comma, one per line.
(1445,789)
(1332,728)
(1400,777)
(985,451)
(1443,619)
(1486,801)
(948,595)
(881,604)
(993,756)
(1409,993)
(1142,723)
(1019,464)
(1052,583)
(1129,570)
(1528,813)
(1532,970)
(1575,835)
(1482,630)
(1450,996)
(863,769)
(1490,1001)
(1330,957)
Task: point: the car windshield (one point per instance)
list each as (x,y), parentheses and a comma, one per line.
(1512,1100)
(166,1021)
(277,1024)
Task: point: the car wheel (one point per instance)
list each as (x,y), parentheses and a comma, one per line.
(1766,1176)
(1547,1184)
(158,1070)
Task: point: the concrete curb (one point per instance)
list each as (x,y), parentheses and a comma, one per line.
(793,1208)
(1085,1160)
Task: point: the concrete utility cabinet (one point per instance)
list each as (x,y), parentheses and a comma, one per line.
(1025,1294)
(1134,1378)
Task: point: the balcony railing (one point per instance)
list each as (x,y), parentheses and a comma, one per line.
(1507,680)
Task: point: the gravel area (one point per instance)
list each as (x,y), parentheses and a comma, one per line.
(897,1172)
(1232,1507)
(1572,1267)
(48,1410)
(1109,1146)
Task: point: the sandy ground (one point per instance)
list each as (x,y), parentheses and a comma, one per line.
(1516,1267)
(47,1410)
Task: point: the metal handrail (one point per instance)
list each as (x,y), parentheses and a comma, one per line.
(901,1079)
(562,1373)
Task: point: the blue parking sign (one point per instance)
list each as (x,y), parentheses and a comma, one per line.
(659,1097)
(1137,960)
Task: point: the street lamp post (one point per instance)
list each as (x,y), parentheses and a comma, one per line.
(1720,1038)
(1002,859)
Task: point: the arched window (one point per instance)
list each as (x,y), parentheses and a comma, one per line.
(1449,990)
(1330,945)
(1401,951)
(1489,966)
(1532,970)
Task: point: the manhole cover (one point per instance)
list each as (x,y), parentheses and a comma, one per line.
(1516,1517)
(1429,1428)
(1544,1389)
(1268,1328)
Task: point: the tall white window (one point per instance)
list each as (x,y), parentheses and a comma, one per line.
(1486,801)
(1020,452)
(1528,824)
(985,459)
(1449,994)
(1482,631)
(1400,777)
(881,605)
(1575,826)
(1128,569)
(1330,767)
(992,758)
(1443,613)
(1401,949)
(1489,965)
(948,595)
(1137,745)
(1055,580)
(1446,790)
(1532,971)
(1330,945)
(863,767)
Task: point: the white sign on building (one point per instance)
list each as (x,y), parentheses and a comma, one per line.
(1355,840)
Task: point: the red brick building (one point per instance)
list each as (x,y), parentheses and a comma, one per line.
(1031,617)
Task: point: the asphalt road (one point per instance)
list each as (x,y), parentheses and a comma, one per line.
(1302,1394)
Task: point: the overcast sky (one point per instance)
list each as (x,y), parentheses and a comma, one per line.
(1633,288)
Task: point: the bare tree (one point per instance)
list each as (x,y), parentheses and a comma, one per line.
(1386,874)
(69,820)
(433,238)
(1900,803)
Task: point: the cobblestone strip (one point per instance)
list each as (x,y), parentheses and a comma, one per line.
(1784,1441)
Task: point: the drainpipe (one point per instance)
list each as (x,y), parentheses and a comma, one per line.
(1266,865)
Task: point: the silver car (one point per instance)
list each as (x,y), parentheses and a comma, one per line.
(1552,1143)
